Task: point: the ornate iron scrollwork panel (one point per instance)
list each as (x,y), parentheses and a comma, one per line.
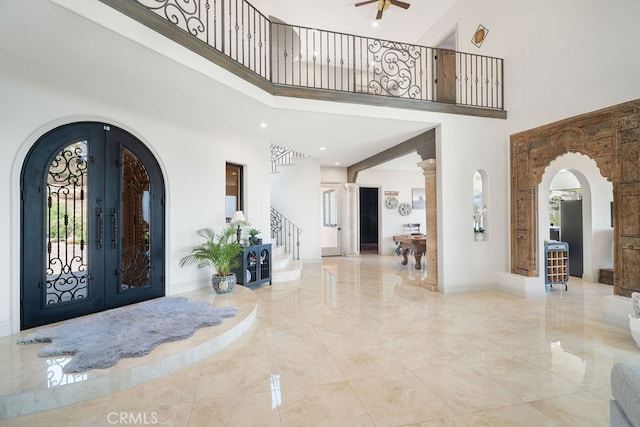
(66,225)
(394,69)
(186,14)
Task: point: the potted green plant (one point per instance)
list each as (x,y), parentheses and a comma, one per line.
(253,232)
(220,252)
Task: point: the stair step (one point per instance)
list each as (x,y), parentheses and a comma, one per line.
(291,272)
(281,261)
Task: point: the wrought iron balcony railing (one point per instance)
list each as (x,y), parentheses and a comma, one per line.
(295,56)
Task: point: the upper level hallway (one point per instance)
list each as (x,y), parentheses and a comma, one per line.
(298,61)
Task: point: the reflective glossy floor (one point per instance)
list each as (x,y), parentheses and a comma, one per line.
(358,343)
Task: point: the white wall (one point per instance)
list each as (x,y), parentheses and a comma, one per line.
(333,174)
(564,180)
(295,192)
(561,58)
(464,146)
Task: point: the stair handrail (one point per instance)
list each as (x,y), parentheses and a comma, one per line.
(285,233)
(281,156)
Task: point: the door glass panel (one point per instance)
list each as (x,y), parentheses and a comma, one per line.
(136,213)
(330,230)
(329,209)
(66,225)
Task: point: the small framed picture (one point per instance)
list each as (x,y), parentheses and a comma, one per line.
(479,35)
(417,198)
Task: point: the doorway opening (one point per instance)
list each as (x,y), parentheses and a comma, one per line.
(449,41)
(583,219)
(445,61)
(565,217)
(369,219)
(92,224)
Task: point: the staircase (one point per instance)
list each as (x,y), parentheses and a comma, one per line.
(285,237)
(284,267)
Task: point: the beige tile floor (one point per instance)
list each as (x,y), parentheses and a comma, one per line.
(357,343)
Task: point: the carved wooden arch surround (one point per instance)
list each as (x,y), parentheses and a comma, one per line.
(611,137)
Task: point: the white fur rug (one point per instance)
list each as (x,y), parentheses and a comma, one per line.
(101,340)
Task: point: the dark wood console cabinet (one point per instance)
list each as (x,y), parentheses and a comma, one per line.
(255,266)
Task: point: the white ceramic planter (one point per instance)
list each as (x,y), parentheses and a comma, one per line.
(634,325)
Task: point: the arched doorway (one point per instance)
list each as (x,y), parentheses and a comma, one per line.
(566,209)
(92,223)
(611,137)
(577,179)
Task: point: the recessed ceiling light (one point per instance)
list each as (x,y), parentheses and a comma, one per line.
(374,24)
(263,125)
(322,148)
(337,163)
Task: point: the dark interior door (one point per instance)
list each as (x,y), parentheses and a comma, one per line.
(92,224)
(571,233)
(368,219)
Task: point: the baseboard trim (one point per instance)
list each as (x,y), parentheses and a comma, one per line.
(179,288)
(513,284)
(5,329)
(616,310)
(464,288)
(521,286)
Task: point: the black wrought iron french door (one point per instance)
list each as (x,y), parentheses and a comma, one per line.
(92,215)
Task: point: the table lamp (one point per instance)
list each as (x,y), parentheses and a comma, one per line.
(238,218)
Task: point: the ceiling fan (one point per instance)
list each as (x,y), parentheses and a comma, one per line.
(384,5)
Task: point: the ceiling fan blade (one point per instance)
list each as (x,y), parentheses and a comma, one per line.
(379,14)
(400,4)
(362,3)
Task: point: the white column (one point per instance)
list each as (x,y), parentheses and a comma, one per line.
(353,196)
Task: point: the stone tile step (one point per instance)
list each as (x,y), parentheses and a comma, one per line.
(291,272)
(281,261)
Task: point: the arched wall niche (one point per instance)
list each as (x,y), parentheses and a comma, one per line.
(480,202)
(611,137)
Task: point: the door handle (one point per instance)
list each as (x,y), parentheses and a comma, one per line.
(114,228)
(100,228)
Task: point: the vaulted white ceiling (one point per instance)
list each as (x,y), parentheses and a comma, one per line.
(70,53)
(397,24)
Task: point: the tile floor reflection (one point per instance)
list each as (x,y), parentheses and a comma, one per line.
(357,343)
